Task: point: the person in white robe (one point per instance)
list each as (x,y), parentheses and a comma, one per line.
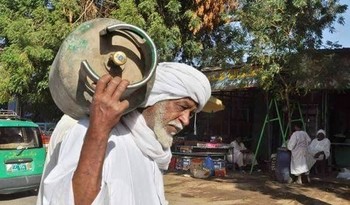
(319,148)
(111,158)
(298,144)
(241,155)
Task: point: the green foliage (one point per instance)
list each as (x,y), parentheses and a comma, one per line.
(34,34)
(127,11)
(223,47)
(283,35)
(279,31)
(202,33)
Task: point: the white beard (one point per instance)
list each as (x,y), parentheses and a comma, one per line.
(163,137)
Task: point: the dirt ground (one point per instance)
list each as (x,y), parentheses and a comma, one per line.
(254,189)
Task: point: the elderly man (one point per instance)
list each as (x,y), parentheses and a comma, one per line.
(298,144)
(319,149)
(112,158)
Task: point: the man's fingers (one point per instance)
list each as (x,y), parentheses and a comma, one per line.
(102,83)
(112,85)
(124,104)
(110,89)
(118,92)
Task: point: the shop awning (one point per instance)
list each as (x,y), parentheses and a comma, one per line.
(213,105)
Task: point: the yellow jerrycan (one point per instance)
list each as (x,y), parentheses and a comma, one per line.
(97,47)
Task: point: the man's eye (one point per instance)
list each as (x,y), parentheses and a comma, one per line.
(181,107)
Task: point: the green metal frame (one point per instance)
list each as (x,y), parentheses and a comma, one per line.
(278,118)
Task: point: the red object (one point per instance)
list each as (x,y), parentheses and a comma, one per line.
(220,172)
(172,165)
(45,138)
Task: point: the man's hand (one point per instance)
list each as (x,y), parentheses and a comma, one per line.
(107,107)
(317,155)
(105,112)
(245,151)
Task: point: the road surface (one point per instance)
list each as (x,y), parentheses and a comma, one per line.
(24,198)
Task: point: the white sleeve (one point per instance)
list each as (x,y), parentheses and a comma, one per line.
(327,148)
(310,148)
(308,138)
(291,142)
(103,196)
(57,186)
(243,146)
(235,146)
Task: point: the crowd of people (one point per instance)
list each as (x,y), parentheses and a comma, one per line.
(305,153)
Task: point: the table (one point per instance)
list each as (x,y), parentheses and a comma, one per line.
(210,149)
(201,154)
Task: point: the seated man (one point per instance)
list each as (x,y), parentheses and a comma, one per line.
(241,155)
(319,149)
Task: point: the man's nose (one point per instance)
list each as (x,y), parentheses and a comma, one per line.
(185,117)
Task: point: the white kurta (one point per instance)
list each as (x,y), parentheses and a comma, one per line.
(60,132)
(315,147)
(241,159)
(298,145)
(129,177)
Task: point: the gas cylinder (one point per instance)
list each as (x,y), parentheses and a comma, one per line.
(95,48)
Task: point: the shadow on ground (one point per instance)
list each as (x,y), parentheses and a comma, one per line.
(259,188)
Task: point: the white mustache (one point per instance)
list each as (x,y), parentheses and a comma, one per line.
(178,126)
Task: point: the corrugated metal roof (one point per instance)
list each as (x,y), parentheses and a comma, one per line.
(231,79)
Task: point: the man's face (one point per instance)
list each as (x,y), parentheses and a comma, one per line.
(320,136)
(167,118)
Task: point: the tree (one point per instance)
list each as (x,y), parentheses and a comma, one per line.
(35,29)
(282,34)
(33,34)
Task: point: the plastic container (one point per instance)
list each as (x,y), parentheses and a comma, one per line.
(282,170)
(209,164)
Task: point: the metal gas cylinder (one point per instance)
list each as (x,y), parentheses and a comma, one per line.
(93,49)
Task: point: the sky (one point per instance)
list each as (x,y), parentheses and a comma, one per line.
(342,32)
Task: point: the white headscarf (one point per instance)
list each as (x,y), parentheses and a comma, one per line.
(178,80)
(172,81)
(321,131)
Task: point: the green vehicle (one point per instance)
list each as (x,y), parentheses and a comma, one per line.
(22,155)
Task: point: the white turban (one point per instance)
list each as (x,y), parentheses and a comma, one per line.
(178,80)
(321,131)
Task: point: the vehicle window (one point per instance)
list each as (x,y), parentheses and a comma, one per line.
(15,137)
(46,127)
